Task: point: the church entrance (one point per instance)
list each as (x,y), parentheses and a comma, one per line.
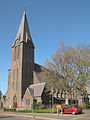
(14,102)
(1,105)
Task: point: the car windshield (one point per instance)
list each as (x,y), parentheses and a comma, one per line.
(76,106)
(66,107)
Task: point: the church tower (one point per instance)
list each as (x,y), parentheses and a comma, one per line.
(20,74)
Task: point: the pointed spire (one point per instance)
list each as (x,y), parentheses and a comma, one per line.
(23,32)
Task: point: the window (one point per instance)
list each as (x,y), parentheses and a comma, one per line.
(17,80)
(28,102)
(70,106)
(34,101)
(76,106)
(15,54)
(67,107)
(18,51)
(13,78)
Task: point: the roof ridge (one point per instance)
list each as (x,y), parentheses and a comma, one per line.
(38,84)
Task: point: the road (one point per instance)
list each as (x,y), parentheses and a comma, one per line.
(11,118)
(5,117)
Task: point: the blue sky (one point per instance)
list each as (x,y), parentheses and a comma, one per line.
(50,22)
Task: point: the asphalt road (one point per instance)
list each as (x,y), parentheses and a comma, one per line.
(12,118)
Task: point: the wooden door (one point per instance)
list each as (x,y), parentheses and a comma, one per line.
(1,105)
(15,105)
(14,102)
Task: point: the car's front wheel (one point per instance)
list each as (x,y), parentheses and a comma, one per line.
(73,112)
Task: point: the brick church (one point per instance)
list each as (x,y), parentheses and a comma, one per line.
(24,80)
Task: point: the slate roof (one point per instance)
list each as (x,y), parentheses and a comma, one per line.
(31,91)
(37,68)
(37,71)
(38,89)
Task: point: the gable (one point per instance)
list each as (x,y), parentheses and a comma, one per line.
(38,89)
(28,93)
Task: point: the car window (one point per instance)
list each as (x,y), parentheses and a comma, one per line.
(70,106)
(67,107)
(76,106)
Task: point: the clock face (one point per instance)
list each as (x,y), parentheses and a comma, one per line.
(17,42)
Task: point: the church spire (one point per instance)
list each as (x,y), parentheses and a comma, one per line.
(23,33)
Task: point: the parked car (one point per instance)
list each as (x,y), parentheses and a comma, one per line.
(74,109)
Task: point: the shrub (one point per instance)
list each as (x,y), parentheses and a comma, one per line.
(38,111)
(10,110)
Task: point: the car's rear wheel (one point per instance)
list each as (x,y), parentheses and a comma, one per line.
(73,112)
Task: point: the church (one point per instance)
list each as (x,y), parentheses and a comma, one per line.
(24,86)
(24,81)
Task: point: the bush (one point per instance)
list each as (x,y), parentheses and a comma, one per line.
(33,111)
(10,110)
(38,105)
(38,111)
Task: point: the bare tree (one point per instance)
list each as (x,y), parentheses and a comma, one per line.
(82,69)
(68,69)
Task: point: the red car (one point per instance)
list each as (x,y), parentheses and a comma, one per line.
(72,109)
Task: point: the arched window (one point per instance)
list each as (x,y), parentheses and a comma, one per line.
(18,51)
(17,80)
(13,78)
(15,54)
(28,102)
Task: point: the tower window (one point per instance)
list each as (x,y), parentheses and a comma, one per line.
(13,78)
(15,54)
(17,80)
(18,52)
